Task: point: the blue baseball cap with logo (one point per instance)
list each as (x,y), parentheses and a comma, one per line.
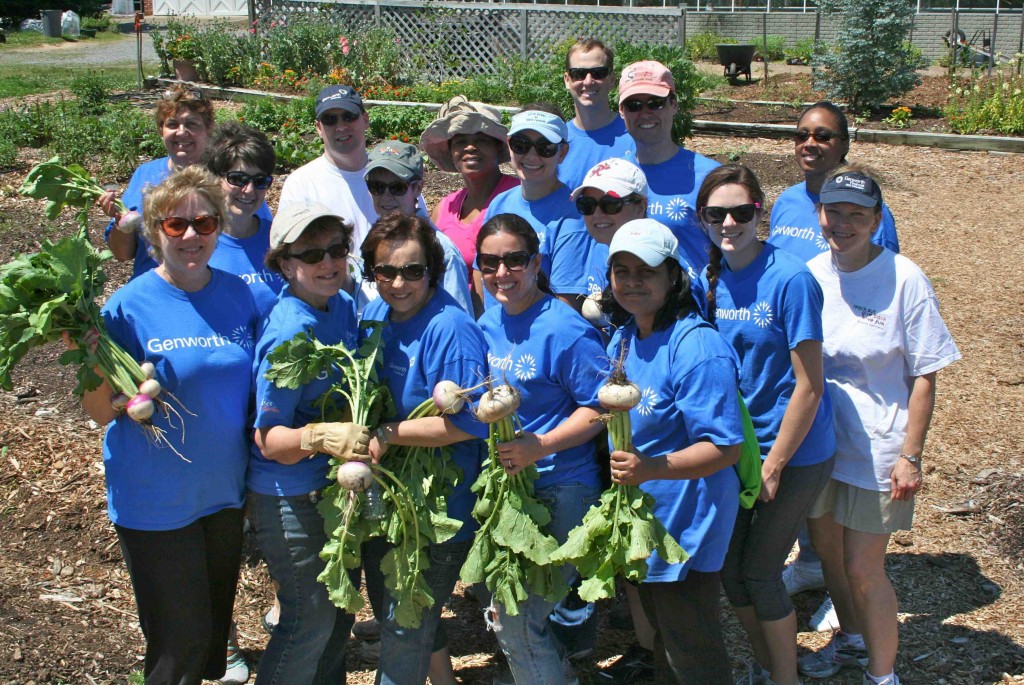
(339,97)
(548,125)
(851,187)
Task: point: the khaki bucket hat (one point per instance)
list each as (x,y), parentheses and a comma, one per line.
(459,115)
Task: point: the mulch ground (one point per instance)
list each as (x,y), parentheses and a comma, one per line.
(66,608)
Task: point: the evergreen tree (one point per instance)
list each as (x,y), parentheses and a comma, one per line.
(872,61)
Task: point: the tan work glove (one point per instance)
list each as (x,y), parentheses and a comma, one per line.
(346,441)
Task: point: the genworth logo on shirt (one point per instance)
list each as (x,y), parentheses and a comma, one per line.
(761,314)
(525,368)
(648,401)
(240,336)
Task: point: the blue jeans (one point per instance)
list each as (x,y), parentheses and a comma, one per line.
(533,652)
(308,643)
(405,652)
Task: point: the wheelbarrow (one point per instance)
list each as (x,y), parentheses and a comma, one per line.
(736,59)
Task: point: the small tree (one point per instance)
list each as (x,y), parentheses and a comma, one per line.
(872,61)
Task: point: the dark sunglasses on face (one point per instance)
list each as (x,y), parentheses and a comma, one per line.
(609,204)
(378,187)
(521,146)
(822,136)
(387,273)
(513,261)
(654,104)
(580,73)
(175,226)
(332,119)
(240,179)
(741,214)
(315,255)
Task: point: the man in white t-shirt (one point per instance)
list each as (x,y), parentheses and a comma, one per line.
(335,179)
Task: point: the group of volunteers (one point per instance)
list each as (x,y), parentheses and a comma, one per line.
(610,242)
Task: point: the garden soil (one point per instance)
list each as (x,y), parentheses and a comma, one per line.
(66,608)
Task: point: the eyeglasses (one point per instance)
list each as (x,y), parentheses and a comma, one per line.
(378,187)
(822,136)
(609,204)
(513,261)
(634,105)
(332,119)
(580,73)
(741,214)
(175,226)
(315,255)
(193,93)
(521,146)
(240,179)
(385,273)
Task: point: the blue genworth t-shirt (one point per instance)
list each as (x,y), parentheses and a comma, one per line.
(555,359)
(244,258)
(688,392)
(295,408)
(587,148)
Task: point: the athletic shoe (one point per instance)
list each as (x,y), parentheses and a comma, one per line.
(824,619)
(755,675)
(636,664)
(368,653)
(237,672)
(799,578)
(832,658)
(891,680)
(366,630)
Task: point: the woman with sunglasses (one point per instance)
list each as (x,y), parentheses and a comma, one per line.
(767,305)
(687,433)
(885,341)
(555,359)
(822,141)
(184,119)
(289,459)
(428,338)
(244,160)
(648,104)
(537,141)
(177,508)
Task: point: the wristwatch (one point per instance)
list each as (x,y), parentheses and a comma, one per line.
(915,460)
(382,433)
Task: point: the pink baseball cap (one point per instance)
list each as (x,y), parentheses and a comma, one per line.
(646,78)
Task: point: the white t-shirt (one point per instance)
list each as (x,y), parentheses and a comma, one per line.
(882,329)
(343,192)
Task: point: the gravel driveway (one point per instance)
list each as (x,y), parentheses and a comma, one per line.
(84,53)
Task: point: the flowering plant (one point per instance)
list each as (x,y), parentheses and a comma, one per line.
(899,117)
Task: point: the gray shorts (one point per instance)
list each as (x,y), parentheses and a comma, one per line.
(866,511)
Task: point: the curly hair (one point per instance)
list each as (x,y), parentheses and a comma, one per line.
(177,98)
(192,181)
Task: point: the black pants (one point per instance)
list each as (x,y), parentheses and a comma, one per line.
(184,582)
(689,648)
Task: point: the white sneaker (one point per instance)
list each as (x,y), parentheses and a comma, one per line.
(799,578)
(891,680)
(237,672)
(824,619)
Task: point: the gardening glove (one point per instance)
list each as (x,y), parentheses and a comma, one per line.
(342,440)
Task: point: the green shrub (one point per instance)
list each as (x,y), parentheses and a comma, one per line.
(802,51)
(225,58)
(775,50)
(104,22)
(987,105)
(305,44)
(701,47)
(91,91)
(8,154)
(399,122)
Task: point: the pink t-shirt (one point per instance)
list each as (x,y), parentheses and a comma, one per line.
(463,234)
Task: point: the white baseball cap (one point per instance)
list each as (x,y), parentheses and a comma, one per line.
(616,177)
(649,240)
(548,125)
(291,221)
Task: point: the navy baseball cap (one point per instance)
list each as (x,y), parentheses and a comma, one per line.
(339,97)
(851,187)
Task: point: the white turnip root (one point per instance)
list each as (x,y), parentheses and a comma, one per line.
(148,370)
(150,387)
(354,476)
(618,395)
(498,403)
(448,397)
(119,401)
(130,222)
(141,407)
(592,311)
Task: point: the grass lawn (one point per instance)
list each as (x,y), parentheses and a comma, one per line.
(23,39)
(29,79)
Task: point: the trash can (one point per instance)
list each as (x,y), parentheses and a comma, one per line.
(51,23)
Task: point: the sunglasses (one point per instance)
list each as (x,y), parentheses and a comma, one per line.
(175,226)
(386,273)
(634,105)
(315,255)
(580,73)
(513,261)
(378,187)
(332,119)
(741,214)
(521,146)
(609,204)
(240,179)
(822,136)
(190,93)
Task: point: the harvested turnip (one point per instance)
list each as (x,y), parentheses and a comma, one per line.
(354,476)
(150,387)
(141,407)
(618,395)
(119,401)
(130,222)
(592,311)
(449,397)
(498,403)
(148,370)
